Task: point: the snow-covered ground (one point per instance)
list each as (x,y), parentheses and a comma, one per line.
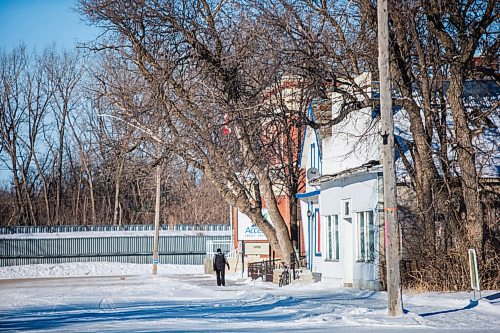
(117,297)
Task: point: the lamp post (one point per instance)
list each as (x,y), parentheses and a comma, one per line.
(159,141)
(157,209)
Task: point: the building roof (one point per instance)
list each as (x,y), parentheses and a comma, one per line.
(370,166)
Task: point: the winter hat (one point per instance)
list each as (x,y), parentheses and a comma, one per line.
(219,250)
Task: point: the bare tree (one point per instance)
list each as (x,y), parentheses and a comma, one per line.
(434,45)
(64,73)
(195,78)
(460,27)
(24,104)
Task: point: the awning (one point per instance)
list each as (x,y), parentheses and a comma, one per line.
(308,196)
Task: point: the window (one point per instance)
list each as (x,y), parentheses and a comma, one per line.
(313,155)
(346,208)
(332,238)
(371,236)
(317,219)
(365,231)
(361,236)
(329,238)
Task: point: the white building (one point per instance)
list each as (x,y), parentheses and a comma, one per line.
(343,204)
(343,199)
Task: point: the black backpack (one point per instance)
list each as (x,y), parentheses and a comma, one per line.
(219,261)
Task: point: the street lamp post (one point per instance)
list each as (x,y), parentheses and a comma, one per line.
(159,142)
(157,208)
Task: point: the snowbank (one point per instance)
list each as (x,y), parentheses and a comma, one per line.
(78,269)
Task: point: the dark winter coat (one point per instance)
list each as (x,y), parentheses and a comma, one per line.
(220,261)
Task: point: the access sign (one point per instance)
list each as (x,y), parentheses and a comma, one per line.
(248,230)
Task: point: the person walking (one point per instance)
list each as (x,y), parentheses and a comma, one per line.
(220,263)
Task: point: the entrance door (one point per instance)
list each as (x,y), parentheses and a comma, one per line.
(348,248)
(314,237)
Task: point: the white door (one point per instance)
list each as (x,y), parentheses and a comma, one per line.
(348,249)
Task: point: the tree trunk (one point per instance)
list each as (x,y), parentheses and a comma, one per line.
(117,192)
(19,197)
(76,211)
(424,167)
(45,188)
(466,159)
(294,227)
(282,232)
(91,192)
(60,161)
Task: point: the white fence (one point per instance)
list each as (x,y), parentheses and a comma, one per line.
(181,250)
(226,246)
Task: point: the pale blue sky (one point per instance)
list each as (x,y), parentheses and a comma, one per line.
(39,23)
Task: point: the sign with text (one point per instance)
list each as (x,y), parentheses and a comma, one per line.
(247,230)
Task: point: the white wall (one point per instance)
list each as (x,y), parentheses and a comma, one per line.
(306,157)
(353,142)
(363,191)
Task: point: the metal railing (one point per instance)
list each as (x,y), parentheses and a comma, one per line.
(226,247)
(263,269)
(129,227)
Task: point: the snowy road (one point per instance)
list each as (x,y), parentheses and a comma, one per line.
(191,302)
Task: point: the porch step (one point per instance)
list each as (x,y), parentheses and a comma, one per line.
(304,276)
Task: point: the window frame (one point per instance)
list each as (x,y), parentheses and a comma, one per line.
(343,206)
(332,238)
(317,228)
(365,236)
(313,155)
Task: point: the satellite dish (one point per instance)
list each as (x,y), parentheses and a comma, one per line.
(312,173)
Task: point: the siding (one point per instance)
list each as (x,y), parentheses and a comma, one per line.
(181,250)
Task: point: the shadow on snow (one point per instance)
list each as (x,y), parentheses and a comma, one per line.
(472,304)
(261,309)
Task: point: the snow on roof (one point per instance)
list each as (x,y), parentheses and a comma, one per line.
(370,166)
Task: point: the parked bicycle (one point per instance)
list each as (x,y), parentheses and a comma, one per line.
(296,273)
(284,276)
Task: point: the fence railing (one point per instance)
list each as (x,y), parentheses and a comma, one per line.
(181,250)
(226,247)
(263,269)
(130,227)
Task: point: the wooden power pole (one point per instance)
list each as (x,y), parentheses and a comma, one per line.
(157,207)
(395,304)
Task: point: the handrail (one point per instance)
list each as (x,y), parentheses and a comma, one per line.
(262,269)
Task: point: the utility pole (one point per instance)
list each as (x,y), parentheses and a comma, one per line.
(157,206)
(159,142)
(395,304)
